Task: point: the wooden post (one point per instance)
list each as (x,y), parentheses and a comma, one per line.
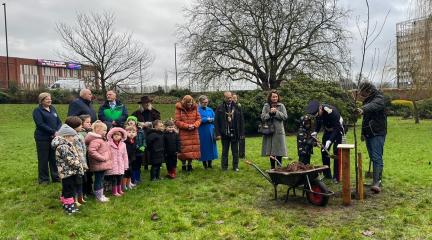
(346,181)
(360,186)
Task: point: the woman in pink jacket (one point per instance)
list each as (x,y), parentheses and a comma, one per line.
(116,137)
(99,156)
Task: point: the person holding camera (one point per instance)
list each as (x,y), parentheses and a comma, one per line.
(229,126)
(273,144)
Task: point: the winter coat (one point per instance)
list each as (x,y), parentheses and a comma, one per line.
(156,146)
(120,161)
(172,143)
(274,145)
(118,114)
(223,127)
(68,159)
(190,144)
(99,153)
(374,121)
(332,121)
(207,134)
(47,123)
(147,115)
(82,150)
(82,106)
(131,150)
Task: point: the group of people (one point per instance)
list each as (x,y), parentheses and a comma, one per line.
(84,151)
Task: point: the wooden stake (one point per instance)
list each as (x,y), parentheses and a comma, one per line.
(360,187)
(346,180)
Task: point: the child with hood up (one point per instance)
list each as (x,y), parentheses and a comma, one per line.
(116,137)
(69,165)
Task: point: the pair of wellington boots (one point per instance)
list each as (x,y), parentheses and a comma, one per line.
(377,176)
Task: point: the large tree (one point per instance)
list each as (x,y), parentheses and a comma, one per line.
(94,40)
(263,41)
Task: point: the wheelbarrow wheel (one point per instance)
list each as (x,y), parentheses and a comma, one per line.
(317,199)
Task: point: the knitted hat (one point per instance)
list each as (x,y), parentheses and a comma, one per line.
(65,130)
(132,118)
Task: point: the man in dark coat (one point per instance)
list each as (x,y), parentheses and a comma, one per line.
(374,129)
(329,117)
(146,114)
(83,105)
(113,113)
(229,126)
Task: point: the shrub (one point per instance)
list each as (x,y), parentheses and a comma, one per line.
(4,97)
(424,108)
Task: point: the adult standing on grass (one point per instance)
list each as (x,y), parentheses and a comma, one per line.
(83,105)
(242,140)
(329,117)
(187,119)
(207,133)
(374,129)
(229,125)
(146,114)
(113,113)
(47,124)
(274,112)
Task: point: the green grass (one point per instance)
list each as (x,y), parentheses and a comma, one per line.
(214,204)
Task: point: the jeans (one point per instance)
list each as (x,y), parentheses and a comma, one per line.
(46,162)
(226,142)
(375,147)
(99,180)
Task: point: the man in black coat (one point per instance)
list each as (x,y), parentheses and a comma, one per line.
(229,126)
(374,129)
(83,105)
(112,112)
(329,117)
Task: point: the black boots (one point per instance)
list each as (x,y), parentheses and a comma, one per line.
(205,164)
(189,168)
(184,168)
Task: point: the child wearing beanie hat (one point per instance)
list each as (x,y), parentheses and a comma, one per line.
(140,142)
(69,166)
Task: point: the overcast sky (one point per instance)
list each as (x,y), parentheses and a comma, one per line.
(31,26)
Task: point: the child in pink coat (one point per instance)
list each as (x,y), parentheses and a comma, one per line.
(116,137)
(99,156)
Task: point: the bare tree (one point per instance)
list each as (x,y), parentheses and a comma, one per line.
(95,41)
(263,41)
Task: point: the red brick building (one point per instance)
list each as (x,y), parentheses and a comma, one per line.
(39,73)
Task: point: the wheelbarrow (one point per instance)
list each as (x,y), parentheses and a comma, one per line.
(307,180)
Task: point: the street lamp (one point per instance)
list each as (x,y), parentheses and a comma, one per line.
(175,62)
(7,49)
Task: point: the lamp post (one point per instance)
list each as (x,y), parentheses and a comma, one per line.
(175,62)
(7,49)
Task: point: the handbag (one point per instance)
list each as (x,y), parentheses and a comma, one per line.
(266,128)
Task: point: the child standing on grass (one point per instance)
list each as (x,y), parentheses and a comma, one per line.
(88,175)
(131,152)
(116,137)
(172,148)
(99,155)
(155,146)
(69,165)
(305,142)
(140,143)
(75,123)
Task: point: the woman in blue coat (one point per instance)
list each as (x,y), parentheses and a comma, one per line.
(206,133)
(47,124)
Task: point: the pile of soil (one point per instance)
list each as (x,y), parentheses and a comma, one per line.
(295,167)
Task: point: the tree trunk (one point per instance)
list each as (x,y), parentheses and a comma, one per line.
(103,86)
(415,113)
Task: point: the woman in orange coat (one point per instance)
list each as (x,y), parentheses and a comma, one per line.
(187,119)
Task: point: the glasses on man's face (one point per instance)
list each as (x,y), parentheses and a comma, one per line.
(204,102)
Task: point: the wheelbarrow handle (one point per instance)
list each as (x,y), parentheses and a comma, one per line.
(260,171)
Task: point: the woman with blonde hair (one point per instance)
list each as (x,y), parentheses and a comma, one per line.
(47,124)
(187,119)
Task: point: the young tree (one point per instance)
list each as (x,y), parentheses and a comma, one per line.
(263,41)
(94,40)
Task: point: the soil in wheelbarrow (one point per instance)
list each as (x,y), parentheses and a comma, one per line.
(295,167)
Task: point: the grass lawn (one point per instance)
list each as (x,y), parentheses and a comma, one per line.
(214,204)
